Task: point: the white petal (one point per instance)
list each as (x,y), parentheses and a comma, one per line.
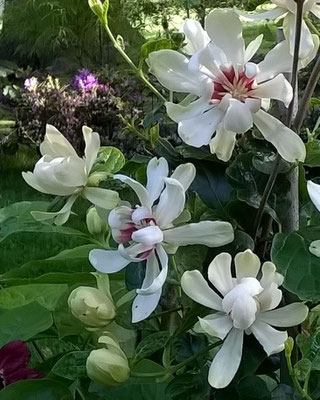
(31,180)
(243,312)
(139,189)
(185,174)
(254,105)
(277,88)
(107,261)
(216,325)
(223,144)
(238,117)
(149,235)
(306,41)
(289,144)
(219,273)
(270,275)
(135,252)
(247,265)
(152,270)
(140,213)
(157,170)
(208,61)
(59,217)
(92,141)
(195,36)
(209,233)
(290,315)
(196,287)
(179,112)
(315,9)
(171,70)
(271,339)
(144,305)
(226,363)
(252,48)
(270,298)
(314,193)
(198,131)
(55,144)
(171,203)
(275,13)
(314,248)
(225,30)
(104,198)
(71,171)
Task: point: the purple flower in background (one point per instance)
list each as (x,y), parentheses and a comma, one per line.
(85,80)
(31,83)
(14,358)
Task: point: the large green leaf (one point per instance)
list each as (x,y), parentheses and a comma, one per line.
(110,160)
(313,154)
(47,295)
(72,366)
(150,345)
(36,389)
(290,252)
(23,322)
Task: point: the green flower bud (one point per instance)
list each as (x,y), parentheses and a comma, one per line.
(92,307)
(95,224)
(108,366)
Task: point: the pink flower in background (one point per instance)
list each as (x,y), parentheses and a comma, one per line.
(85,80)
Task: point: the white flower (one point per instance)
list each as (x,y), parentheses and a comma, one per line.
(314,193)
(149,231)
(62,172)
(287,9)
(230,89)
(244,306)
(196,38)
(314,248)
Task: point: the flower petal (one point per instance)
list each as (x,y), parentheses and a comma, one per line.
(247,265)
(171,70)
(150,235)
(59,217)
(171,203)
(314,193)
(270,298)
(184,174)
(157,170)
(196,287)
(238,117)
(277,88)
(290,315)
(139,189)
(315,9)
(270,275)
(289,144)
(219,273)
(209,233)
(275,13)
(223,143)
(314,248)
(104,198)
(144,305)
(92,141)
(252,48)
(179,112)
(225,30)
(195,36)
(216,325)
(289,29)
(107,261)
(55,144)
(271,339)
(198,131)
(226,363)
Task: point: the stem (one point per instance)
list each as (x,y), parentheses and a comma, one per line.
(160,314)
(295,381)
(309,90)
(137,70)
(294,77)
(174,264)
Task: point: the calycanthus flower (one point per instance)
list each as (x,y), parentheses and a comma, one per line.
(231,90)
(245,305)
(14,357)
(287,9)
(62,172)
(148,231)
(314,193)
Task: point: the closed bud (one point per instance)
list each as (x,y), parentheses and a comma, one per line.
(109,365)
(95,224)
(92,307)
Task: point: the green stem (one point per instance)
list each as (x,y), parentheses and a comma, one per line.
(310,25)
(295,381)
(174,264)
(160,314)
(125,56)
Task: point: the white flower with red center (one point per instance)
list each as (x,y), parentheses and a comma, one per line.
(287,9)
(147,232)
(245,305)
(231,90)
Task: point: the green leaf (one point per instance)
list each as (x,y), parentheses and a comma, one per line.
(155,45)
(253,388)
(282,392)
(36,389)
(47,295)
(23,322)
(165,149)
(150,345)
(302,369)
(72,366)
(190,386)
(110,160)
(190,257)
(291,255)
(313,154)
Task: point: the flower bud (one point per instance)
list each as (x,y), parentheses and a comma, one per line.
(95,224)
(92,307)
(108,366)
